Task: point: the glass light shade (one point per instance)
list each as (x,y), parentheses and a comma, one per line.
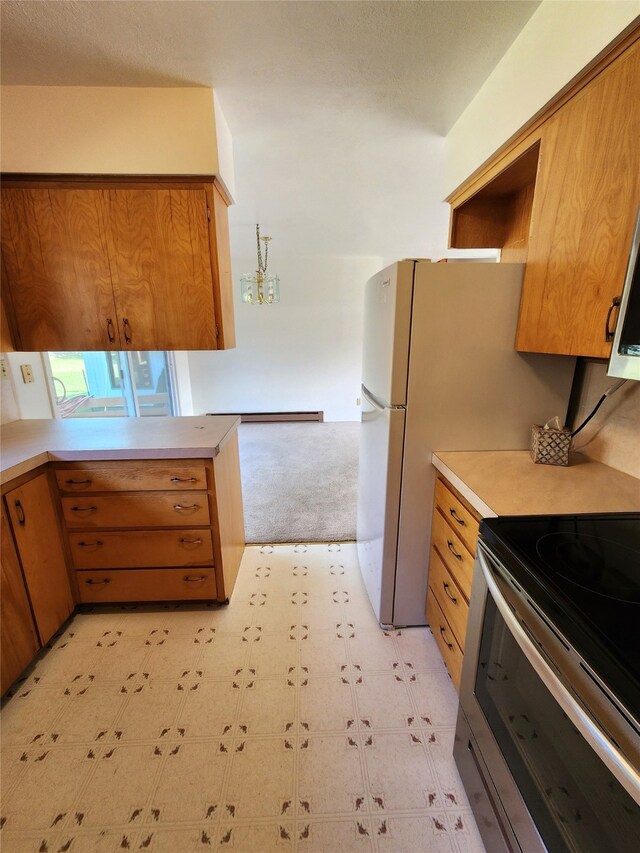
(259,288)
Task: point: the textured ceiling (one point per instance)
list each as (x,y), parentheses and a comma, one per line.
(324,100)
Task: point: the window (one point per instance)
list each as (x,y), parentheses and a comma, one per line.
(112,384)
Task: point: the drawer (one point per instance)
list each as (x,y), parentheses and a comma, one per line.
(142,548)
(455,555)
(444,638)
(162,478)
(146,585)
(464,522)
(449,597)
(148,510)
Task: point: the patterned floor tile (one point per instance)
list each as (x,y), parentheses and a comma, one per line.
(324,654)
(413,834)
(330,777)
(326,704)
(122,780)
(383,699)
(211,710)
(347,836)
(285,721)
(30,715)
(412,789)
(267,705)
(261,780)
(190,785)
(47,790)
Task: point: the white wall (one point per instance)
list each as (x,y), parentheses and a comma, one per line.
(113,130)
(558,41)
(32,399)
(303,354)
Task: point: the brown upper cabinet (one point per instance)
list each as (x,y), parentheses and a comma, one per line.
(564,198)
(107,264)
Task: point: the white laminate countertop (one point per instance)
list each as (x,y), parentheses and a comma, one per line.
(27,444)
(507,482)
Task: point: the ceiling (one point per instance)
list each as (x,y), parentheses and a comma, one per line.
(337,109)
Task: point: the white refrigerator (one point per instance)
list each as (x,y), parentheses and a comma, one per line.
(440,372)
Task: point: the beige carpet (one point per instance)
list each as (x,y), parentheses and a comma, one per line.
(299,481)
(286,721)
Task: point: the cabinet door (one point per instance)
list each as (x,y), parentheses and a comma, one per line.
(55,253)
(585,204)
(37,535)
(161,268)
(18,641)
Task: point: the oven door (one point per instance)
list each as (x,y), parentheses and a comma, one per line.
(541,772)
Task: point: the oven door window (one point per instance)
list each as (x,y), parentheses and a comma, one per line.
(574,800)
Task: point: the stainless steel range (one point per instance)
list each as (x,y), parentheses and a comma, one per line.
(548,733)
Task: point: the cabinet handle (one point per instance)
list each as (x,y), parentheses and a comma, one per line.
(446,642)
(453,550)
(78,482)
(97,544)
(91,582)
(22,518)
(183,480)
(186,506)
(84,508)
(608,332)
(184,541)
(456,517)
(110,331)
(192,579)
(448,594)
(127,333)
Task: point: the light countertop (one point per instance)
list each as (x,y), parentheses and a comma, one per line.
(507,482)
(28,444)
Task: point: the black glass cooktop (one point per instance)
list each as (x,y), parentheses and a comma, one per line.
(583,571)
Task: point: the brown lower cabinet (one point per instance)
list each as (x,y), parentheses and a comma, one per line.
(18,637)
(454,533)
(115,531)
(35,529)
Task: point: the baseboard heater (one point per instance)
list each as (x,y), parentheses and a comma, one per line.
(269,417)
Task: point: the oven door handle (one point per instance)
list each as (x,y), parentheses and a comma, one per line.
(607,751)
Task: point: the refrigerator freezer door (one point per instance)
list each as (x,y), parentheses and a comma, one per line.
(387,325)
(379,483)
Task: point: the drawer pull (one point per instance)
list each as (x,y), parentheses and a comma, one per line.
(186,506)
(456,517)
(608,331)
(22,518)
(184,541)
(97,544)
(192,579)
(91,582)
(78,482)
(126,325)
(448,594)
(446,642)
(183,480)
(453,550)
(84,509)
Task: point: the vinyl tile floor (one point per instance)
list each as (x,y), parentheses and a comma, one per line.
(286,721)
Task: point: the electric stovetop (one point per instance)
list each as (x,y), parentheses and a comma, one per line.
(583,572)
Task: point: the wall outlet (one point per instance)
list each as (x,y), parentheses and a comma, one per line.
(358,401)
(27,373)
(4,371)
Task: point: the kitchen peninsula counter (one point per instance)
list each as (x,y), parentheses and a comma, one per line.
(27,444)
(507,482)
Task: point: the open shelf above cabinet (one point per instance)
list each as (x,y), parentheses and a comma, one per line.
(498,216)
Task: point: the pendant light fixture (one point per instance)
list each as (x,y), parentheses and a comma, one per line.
(259,288)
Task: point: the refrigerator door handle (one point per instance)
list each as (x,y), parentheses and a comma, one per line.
(375,402)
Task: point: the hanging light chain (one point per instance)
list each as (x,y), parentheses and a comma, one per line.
(262,267)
